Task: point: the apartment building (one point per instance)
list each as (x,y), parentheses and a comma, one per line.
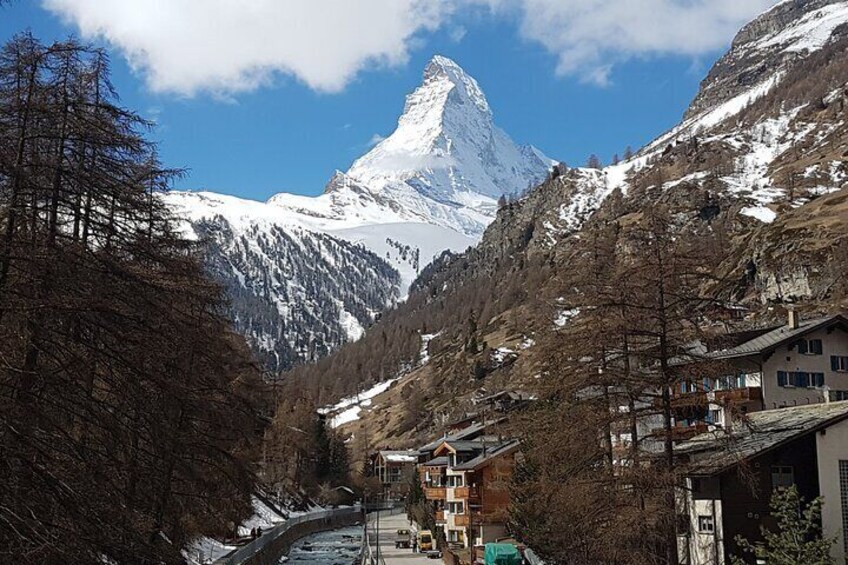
(805,446)
(395,470)
(801,362)
(468,481)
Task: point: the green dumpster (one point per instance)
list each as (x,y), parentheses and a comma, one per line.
(502,554)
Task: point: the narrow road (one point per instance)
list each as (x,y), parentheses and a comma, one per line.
(389,525)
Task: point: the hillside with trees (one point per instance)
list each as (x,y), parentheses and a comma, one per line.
(129,410)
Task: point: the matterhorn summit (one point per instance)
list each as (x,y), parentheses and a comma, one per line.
(447,147)
(305,274)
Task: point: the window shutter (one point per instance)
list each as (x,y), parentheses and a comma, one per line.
(819,379)
(817,346)
(834,363)
(781,378)
(802,346)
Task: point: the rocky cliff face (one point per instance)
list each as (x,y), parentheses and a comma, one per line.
(764,48)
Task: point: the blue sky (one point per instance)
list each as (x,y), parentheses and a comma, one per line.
(560,88)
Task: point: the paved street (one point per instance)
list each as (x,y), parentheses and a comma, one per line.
(389,525)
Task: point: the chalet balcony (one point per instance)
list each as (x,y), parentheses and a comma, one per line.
(461,520)
(739,395)
(435,493)
(466,493)
(689,399)
(440,517)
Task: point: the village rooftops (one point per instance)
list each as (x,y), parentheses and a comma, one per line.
(714,452)
(766,342)
(491,452)
(399,456)
(470,432)
(437,462)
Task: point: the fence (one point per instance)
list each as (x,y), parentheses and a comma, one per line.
(369,556)
(274,543)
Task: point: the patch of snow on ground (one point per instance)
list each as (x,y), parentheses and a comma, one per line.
(264,517)
(206,550)
(763,214)
(346,416)
(348,409)
(424,356)
(501,354)
(565,316)
(353,329)
(527,343)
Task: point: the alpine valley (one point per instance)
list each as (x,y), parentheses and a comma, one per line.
(307,274)
(758,161)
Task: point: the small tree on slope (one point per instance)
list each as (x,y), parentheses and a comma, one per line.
(797,540)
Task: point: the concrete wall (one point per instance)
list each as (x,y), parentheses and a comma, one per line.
(832,447)
(787,358)
(268,551)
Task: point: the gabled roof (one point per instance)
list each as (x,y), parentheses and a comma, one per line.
(470,432)
(491,452)
(778,337)
(437,462)
(767,341)
(711,453)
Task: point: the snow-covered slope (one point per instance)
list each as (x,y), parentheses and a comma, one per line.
(307,274)
(767,57)
(447,148)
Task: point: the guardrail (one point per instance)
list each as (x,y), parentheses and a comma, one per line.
(369,556)
(259,545)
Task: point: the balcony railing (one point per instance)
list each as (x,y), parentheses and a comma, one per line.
(748,394)
(461,520)
(465,493)
(440,517)
(435,493)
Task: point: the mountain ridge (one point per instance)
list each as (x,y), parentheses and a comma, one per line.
(757,164)
(431,186)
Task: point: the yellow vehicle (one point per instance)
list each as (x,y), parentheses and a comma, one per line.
(425,541)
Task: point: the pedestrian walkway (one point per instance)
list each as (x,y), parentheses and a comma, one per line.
(389,525)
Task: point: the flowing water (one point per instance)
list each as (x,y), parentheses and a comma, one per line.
(336,547)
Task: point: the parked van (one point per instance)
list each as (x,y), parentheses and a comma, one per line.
(425,541)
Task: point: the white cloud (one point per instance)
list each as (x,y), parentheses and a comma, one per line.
(589,36)
(457,34)
(231,46)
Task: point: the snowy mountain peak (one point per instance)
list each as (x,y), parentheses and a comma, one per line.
(448,149)
(440,69)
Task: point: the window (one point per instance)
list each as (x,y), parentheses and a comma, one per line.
(456,507)
(782,476)
(839,363)
(456,536)
(714,417)
(706,524)
(838,395)
(455,481)
(810,347)
(801,379)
